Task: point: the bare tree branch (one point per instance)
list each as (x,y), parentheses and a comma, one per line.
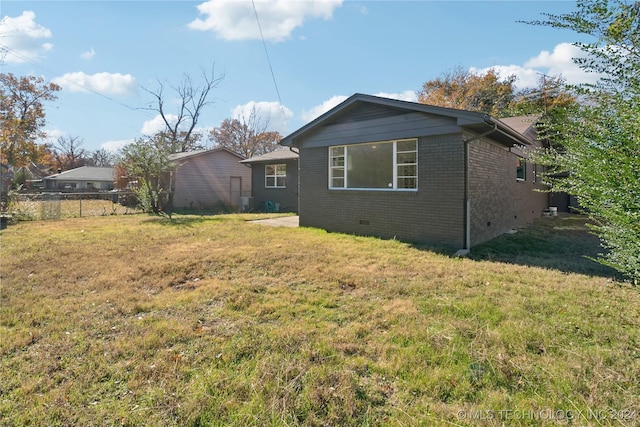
(194,98)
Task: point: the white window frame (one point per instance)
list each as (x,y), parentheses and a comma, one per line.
(276,168)
(344,167)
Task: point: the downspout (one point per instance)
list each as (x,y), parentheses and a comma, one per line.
(298,188)
(467,191)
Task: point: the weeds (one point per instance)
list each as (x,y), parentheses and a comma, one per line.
(133,320)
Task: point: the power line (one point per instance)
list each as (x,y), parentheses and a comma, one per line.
(40,66)
(273,76)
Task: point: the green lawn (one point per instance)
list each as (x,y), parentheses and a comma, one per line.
(137,320)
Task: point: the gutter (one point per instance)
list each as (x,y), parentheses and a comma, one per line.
(467,200)
(506,130)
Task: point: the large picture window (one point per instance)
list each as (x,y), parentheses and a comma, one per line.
(391,165)
(275,176)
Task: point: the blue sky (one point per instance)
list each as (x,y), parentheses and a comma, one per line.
(103,53)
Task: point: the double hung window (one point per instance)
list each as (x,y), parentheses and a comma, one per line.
(275,176)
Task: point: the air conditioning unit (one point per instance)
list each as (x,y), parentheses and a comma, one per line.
(246,203)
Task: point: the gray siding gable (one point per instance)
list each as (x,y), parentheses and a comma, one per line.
(366,118)
(382,128)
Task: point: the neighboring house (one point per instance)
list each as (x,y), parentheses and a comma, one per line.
(208,179)
(33,175)
(398,169)
(274,181)
(84,178)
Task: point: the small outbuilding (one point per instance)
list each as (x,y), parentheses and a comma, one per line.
(274,181)
(415,172)
(209,179)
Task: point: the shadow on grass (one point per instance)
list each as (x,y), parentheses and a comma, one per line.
(561,243)
(187,219)
(182,220)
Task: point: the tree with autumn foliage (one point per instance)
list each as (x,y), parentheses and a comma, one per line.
(246,136)
(22,118)
(497,96)
(552,99)
(464,90)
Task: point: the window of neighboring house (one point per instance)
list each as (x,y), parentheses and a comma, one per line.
(521,169)
(391,165)
(275,176)
(90,185)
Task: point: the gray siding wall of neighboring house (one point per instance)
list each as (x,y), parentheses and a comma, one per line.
(205,181)
(434,213)
(499,202)
(287,198)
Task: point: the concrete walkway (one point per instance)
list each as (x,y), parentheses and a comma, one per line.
(285,221)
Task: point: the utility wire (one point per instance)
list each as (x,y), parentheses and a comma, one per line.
(273,76)
(43,68)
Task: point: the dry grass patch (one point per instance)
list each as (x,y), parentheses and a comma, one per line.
(212,321)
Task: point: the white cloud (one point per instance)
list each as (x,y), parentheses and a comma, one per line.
(116,145)
(558,62)
(407,95)
(52,135)
(155,125)
(104,83)
(23,38)
(275,114)
(318,110)
(526,77)
(88,54)
(236,19)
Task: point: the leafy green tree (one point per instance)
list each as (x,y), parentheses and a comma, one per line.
(146,160)
(614,52)
(598,155)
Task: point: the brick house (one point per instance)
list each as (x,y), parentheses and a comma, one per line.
(274,181)
(398,169)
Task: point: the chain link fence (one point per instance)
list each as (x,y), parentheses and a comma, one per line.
(37,206)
